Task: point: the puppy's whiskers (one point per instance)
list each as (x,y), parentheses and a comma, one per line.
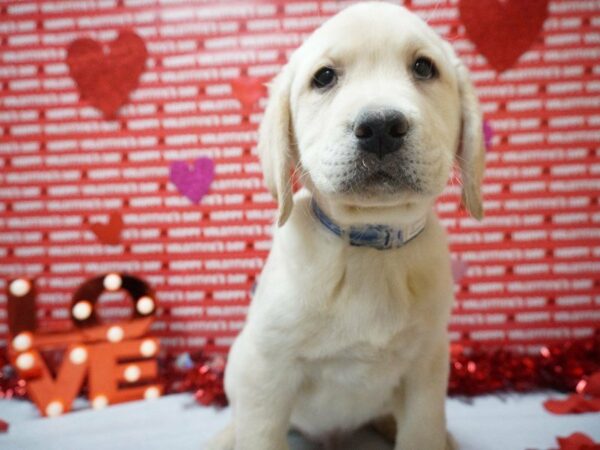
(432,13)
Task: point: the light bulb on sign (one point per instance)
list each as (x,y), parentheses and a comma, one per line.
(115,334)
(82,310)
(22,342)
(99,402)
(20,287)
(25,361)
(112,282)
(151,393)
(54,408)
(132,373)
(145,305)
(78,355)
(148,348)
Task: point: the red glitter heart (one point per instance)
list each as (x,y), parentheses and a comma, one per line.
(503,30)
(105,75)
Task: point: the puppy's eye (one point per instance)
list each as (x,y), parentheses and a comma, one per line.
(424,69)
(324,77)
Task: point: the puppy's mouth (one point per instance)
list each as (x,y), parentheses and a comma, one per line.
(377,179)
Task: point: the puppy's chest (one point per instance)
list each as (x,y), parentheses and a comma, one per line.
(352,363)
(364,327)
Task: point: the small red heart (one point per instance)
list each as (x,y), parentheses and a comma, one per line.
(564,406)
(573,404)
(503,30)
(248,90)
(577,441)
(106,75)
(109,233)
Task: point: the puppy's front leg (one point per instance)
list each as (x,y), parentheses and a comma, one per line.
(263,389)
(420,403)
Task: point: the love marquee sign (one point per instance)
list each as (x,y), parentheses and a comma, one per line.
(117,361)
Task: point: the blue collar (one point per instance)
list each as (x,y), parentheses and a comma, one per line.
(380,237)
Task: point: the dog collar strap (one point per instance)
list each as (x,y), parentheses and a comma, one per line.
(381,237)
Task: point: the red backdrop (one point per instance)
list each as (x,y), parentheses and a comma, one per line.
(532,271)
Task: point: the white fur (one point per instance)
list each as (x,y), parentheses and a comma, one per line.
(337,335)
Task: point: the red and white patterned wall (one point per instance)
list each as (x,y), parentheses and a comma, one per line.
(84,192)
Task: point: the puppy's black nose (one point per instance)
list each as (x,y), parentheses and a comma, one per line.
(380,131)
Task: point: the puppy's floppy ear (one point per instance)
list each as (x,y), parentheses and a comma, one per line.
(471,151)
(471,148)
(276,144)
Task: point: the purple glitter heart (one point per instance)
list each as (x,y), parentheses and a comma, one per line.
(193,182)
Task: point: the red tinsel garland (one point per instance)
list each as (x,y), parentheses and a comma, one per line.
(197,373)
(11,386)
(561,366)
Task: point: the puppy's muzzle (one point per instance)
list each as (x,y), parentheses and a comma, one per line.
(380,131)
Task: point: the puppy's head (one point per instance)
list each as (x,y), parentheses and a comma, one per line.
(372,111)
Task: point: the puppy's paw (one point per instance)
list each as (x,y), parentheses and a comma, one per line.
(225,440)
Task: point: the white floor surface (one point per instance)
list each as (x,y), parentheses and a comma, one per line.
(511,422)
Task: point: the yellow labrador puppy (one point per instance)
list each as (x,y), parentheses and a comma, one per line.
(349,320)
